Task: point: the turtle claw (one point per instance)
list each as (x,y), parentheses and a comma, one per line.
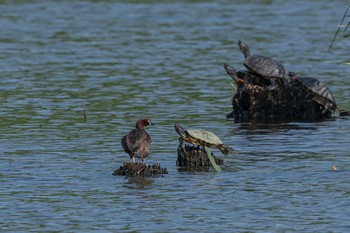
(273,85)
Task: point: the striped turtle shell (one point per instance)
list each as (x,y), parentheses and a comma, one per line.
(265,67)
(203,138)
(318,92)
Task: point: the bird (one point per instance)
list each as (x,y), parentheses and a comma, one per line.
(137,143)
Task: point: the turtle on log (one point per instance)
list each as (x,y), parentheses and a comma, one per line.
(203,138)
(317,91)
(265,67)
(303,99)
(243,77)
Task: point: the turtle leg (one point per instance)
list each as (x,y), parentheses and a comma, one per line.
(273,85)
(181,141)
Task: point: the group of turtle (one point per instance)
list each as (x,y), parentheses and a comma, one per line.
(265,71)
(262,71)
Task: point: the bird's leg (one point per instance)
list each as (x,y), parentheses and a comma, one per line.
(132,159)
(143,161)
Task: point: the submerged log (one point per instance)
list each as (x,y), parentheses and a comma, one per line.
(257,103)
(194,158)
(343,112)
(140,170)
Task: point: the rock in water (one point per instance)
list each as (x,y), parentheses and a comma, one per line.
(255,103)
(194,158)
(140,170)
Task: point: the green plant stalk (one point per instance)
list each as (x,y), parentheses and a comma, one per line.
(212,160)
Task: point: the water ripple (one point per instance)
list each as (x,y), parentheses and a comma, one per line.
(119,61)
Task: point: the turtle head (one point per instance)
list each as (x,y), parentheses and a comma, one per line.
(233,74)
(244,49)
(143,122)
(181,131)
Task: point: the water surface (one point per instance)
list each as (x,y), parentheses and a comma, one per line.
(163,60)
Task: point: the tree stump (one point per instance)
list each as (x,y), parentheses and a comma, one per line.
(194,158)
(140,170)
(257,103)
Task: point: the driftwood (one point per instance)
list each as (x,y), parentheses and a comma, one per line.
(258,103)
(140,170)
(194,158)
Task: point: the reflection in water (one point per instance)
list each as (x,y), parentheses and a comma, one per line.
(272,128)
(138,183)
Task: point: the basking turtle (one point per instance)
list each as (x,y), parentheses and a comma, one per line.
(265,67)
(233,74)
(317,91)
(242,77)
(202,138)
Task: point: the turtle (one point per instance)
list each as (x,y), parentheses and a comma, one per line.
(242,77)
(265,67)
(202,138)
(233,74)
(317,91)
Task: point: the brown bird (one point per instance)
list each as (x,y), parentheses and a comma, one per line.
(137,143)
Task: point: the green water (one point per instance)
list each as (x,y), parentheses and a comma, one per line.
(120,61)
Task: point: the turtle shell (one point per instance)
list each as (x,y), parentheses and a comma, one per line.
(204,137)
(245,77)
(265,67)
(318,92)
(250,77)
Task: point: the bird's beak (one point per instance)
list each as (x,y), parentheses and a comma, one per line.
(150,122)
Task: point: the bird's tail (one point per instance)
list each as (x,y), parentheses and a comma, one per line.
(226,149)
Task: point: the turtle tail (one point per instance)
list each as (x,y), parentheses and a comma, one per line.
(226,149)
